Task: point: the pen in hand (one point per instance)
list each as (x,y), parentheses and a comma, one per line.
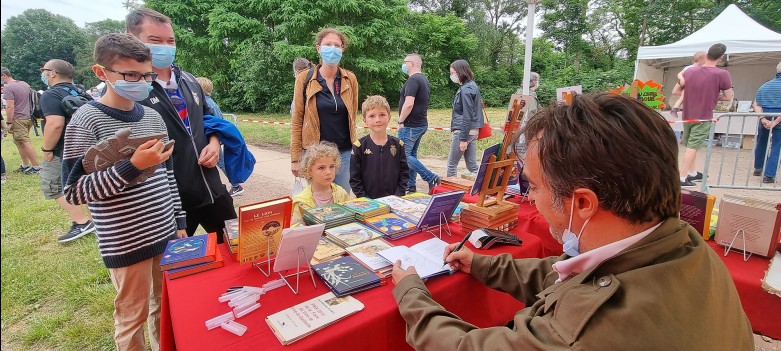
(460,244)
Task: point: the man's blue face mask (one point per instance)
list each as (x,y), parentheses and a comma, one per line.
(162,55)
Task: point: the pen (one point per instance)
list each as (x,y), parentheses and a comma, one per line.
(458,247)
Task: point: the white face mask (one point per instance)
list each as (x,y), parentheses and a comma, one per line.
(571,242)
(454,78)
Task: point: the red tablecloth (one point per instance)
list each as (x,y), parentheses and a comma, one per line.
(762,308)
(189,301)
(529,221)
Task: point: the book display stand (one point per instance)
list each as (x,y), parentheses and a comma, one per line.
(728,248)
(301,256)
(444,225)
(496,212)
(267,261)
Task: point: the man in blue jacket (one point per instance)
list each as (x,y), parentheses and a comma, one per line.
(178,97)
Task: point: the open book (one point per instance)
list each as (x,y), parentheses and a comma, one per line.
(425,256)
(294,323)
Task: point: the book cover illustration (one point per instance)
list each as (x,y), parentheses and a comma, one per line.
(480,178)
(346,276)
(418,198)
(294,323)
(390,224)
(367,253)
(352,233)
(398,204)
(363,205)
(260,228)
(189,251)
(327,249)
(119,147)
(440,204)
(329,212)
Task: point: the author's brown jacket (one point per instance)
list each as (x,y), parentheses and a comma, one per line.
(669,291)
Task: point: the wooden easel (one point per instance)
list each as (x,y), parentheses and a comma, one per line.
(498,170)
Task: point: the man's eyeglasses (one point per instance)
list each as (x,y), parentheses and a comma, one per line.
(134,76)
(44,69)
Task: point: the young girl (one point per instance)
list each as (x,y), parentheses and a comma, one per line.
(319,164)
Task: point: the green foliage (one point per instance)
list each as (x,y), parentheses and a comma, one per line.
(84,54)
(34,37)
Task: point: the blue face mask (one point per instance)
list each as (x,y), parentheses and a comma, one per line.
(135,91)
(162,55)
(44,79)
(331,55)
(571,242)
(404,68)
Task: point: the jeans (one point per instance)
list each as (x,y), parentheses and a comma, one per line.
(221,165)
(763,134)
(342,178)
(411,137)
(470,155)
(2,164)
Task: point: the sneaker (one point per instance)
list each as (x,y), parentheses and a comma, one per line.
(433,182)
(77,231)
(687,183)
(22,169)
(412,189)
(757,171)
(32,170)
(695,178)
(768,180)
(236,190)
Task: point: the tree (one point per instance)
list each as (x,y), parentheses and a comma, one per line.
(84,53)
(34,37)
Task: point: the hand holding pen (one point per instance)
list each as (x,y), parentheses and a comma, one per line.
(459,256)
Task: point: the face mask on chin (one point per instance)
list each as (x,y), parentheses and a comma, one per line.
(570,241)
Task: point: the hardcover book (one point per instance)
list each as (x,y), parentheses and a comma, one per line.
(696,208)
(366,253)
(458,183)
(442,203)
(365,207)
(480,178)
(326,250)
(294,323)
(351,234)
(197,268)
(332,215)
(756,223)
(426,256)
(232,232)
(260,228)
(391,225)
(189,251)
(345,276)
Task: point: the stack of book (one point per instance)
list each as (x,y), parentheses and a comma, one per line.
(345,276)
(333,215)
(472,219)
(457,183)
(231,237)
(195,254)
(351,234)
(326,251)
(366,253)
(392,226)
(405,208)
(365,207)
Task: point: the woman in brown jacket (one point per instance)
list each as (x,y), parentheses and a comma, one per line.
(325,103)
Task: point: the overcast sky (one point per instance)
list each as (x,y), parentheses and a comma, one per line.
(81,11)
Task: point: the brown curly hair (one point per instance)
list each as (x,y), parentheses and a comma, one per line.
(322,150)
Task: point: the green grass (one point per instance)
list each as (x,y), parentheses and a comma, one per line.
(54,296)
(435,144)
(60,297)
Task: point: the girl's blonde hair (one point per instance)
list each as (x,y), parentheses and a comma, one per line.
(206,85)
(315,152)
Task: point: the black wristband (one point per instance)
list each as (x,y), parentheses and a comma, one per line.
(44,150)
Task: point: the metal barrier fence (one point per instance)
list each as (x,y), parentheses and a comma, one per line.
(731,165)
(232,116)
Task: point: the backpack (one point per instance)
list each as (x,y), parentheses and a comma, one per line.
(35,104)
(74,100)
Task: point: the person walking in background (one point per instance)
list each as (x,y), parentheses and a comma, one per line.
(534,105)
(208,87)
(19,114)
(58,76)
(413,119)
(467,118)
(703,85)
(768,100)
(326,105)
(697,60)
(177,96)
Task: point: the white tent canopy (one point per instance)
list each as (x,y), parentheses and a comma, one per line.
(753,52)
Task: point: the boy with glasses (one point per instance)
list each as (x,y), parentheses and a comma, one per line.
(135,217)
